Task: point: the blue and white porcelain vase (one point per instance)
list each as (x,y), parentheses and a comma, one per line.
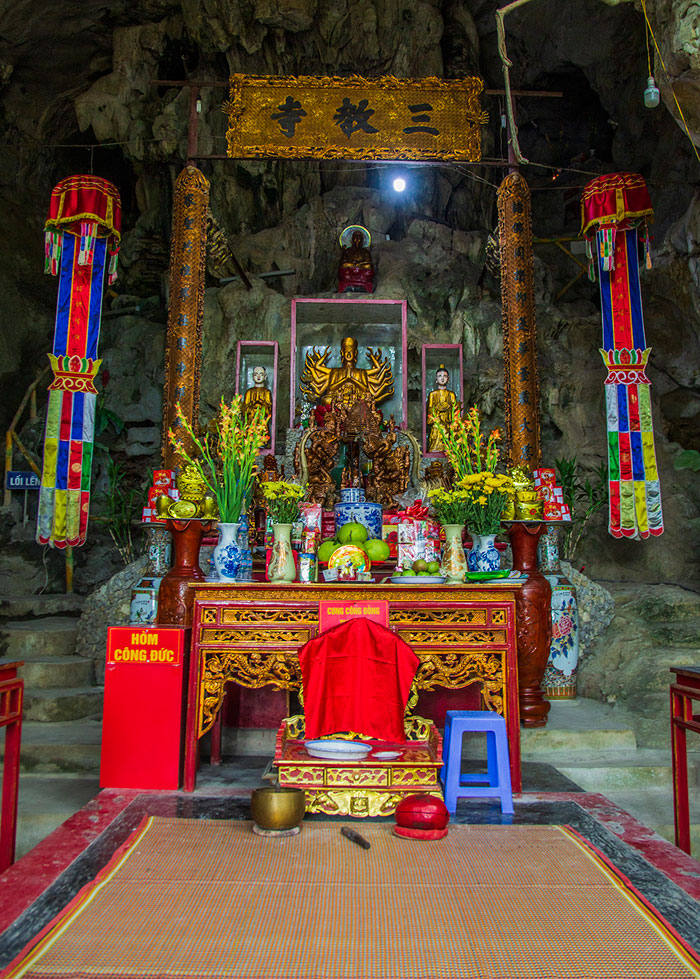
(368,514)
(227,553)
(483,555)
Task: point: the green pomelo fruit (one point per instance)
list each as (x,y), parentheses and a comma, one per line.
(434,567)
(378,550)
(420,565)
(326,549)
(409,573)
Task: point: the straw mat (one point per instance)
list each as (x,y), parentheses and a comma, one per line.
(191,899)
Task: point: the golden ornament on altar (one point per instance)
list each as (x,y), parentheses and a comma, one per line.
(349,383)
(441,403)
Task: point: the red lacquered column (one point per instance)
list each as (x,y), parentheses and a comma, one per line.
(533,622)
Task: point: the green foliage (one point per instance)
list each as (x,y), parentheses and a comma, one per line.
(586,492)
(119,506)
(688,459)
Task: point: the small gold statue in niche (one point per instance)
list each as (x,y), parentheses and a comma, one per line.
(349,383)
(441,402)
(258,396)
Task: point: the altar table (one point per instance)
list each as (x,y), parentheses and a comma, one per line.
(250,634)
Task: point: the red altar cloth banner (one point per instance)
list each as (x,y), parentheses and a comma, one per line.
(612,199)
(85,198)
(357,678)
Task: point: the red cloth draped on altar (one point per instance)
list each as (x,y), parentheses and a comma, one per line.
(357,678)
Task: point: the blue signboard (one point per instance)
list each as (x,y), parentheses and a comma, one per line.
(17,480)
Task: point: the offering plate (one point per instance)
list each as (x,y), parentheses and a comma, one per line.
(338,750)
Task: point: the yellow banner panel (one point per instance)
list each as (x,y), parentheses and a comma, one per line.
(355,118)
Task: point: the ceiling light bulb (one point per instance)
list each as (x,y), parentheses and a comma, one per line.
(651,94)
(399,184)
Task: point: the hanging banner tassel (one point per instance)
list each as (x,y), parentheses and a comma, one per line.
(113,263)
(88,232)
(647,246)
(53,241)
(591,260)
(606,244)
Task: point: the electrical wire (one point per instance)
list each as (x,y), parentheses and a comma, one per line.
(668,77)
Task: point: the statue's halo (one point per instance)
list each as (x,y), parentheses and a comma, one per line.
(347,233)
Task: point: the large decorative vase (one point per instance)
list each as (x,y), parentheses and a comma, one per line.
(367,514)
(228,556)
(559,682)
(175,597)
(483,555)
(454,563)
(282,567)
(144,595)
(534,622)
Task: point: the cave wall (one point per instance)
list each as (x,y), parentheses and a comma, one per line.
(76,74)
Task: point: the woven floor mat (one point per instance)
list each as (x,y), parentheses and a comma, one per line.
(190,899)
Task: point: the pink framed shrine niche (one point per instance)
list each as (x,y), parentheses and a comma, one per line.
(372,322)
(259,353)
(434,356)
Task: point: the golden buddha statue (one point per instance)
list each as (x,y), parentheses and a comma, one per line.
(349,383)
(441,403)
(356,255)
(258,396)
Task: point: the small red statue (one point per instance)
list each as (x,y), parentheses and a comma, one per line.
(356,270)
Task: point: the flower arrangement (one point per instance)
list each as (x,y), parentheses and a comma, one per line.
(227,455)
(488,495)
(451,506)
(464,443)
(282,500)
(479,496)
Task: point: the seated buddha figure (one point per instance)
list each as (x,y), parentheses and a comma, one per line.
(356,270)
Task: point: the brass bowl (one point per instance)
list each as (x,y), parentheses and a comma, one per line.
(273,808)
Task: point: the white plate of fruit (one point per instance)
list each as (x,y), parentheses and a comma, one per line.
(420,573)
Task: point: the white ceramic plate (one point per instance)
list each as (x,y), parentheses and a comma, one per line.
(386,755)
(419,579)
(339,750)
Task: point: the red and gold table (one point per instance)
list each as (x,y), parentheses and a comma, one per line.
(250,634)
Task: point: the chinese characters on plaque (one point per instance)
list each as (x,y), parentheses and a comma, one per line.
(355,118)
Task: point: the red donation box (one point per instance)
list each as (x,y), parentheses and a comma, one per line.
(144,708)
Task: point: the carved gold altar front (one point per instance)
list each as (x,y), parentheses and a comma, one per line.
(250,634)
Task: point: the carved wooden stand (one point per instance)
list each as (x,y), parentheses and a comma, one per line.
(532,604)
(175,598)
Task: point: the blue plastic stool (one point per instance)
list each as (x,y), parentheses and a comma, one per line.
(492,784)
